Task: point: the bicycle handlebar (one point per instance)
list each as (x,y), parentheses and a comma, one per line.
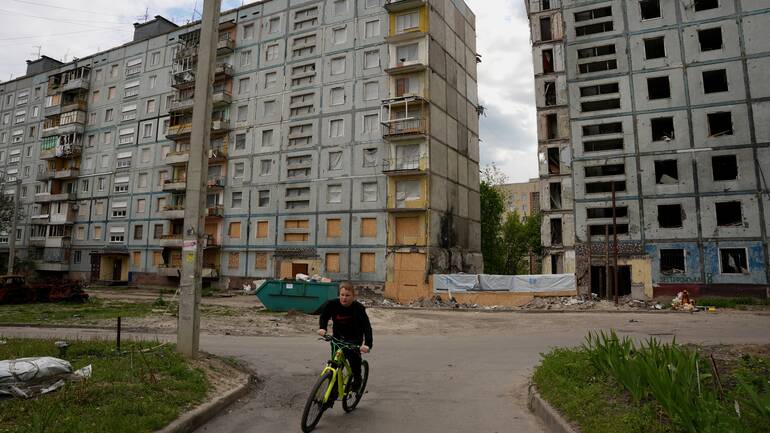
(337,341)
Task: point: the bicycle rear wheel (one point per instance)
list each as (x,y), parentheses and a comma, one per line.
(352,398)
(314,407)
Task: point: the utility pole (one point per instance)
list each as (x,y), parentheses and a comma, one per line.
(14,223)
(614,246)
(190,282)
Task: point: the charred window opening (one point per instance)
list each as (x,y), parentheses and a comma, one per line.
(605,104)
(662,128)
(601,89)
(599,230)
(604,187)
(658,88)
(724,167)
(545,5)
(557,266)
(720,123)
(606,212)
(550,93)
(551,126)
(604,128)
(545,29)
(650,9)
(554,163)
(666,172)
(605,170)
(733,261)
(602,65)
(592,29)
(654,48)
(729,214)
(547,61)
(710,39)
(672,262)
(555,192)
(602,50)
(715,81)
(670,216)
(593,14)
(603,145)
(702,5)
(556,237)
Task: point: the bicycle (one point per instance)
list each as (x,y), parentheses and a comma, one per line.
(337,374)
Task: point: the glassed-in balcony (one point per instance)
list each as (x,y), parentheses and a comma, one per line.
(400,5)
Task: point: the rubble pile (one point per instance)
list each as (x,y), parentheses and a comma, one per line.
(589,302)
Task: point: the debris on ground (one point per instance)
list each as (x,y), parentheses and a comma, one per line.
(590,302)
(15,290)
(30,377)
(682,302)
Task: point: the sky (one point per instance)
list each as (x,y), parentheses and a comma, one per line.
(78,28)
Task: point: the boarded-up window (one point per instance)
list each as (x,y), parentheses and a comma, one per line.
(233,260)
(262,229)
(157,258)
(295,237)
(136,258)
(260,261)
(368,263)
(368,227)
(297,224)
(332,262)
(407,230)
(333,227)
(234,230)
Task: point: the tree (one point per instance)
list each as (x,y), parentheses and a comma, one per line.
(492,202)
(520,238)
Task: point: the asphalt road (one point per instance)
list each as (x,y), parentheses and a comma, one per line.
(466,376)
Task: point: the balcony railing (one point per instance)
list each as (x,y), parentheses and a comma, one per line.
(215,211)
(62,151)
(418,163)
(404,127)
(399,5)
(215,182)
(225,44)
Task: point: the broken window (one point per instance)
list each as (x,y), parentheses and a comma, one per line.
(592,29)
(715,81)
(670,216)
(720,123)
(606,212)
(600,89)
(729,214)
(662,128)
(702,5)
(603,145)
(666,172)
(264,198)
(654,48)
(604,187)
(603,128)
(604,104)
(545,29)
(603,65)
(672,262)
(593,14)
(551,126)
(335,160)
(601,50)
(710,39)
(550,93)
(555,192)
(649,9)
(334,193)
(547,61)
(605,170)
(724,167)
(407,190)
(370,157)
(557,264)
(733,261)
(556,237)
(602,229)
(545,5)
(554,165)
(658,88)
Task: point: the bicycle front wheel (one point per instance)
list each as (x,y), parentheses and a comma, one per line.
(314,407)
(352,397)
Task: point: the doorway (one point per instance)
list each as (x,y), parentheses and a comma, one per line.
(117,269)
(299,268)
(602,286)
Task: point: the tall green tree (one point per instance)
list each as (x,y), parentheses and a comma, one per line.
(492,210)
(520,239)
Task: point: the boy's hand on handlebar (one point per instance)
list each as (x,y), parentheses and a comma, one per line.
(364,349)
(322,332)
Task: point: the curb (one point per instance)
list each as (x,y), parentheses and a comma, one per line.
(548,416)
(200,415)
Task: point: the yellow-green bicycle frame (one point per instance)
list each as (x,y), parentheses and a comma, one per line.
(341,373)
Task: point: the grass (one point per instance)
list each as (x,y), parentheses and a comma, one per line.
(739,303)
(128,392)
(67,313)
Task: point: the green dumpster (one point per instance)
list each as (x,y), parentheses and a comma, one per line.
(305,296)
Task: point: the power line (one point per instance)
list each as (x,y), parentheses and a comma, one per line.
(60,20)
(66,9)
(39,36)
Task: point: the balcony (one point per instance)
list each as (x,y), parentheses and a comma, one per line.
(221,97)
(220,126)
(44,175)
(171,241)
(396,166)
(210,241)
(48,198)
(76,84)
(218,154)
(222,71)
(215,211)
(179,184)
(62,151)
(81,105)
(178,131)
(178,157)
(407,67)
(215,182)
(39,219)
(62,242)
(181,105)
(172,212)
(404,128)
(400,5)
(225,45)
(37,241)
(69,173)
(63,218)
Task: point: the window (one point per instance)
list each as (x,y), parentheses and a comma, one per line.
(407,53)
(369,191)
(240,141)
(372,4)
(153,81)
(129,112)
(131,89)
(662,128)
(371,123)
(267,137)
(332,262)
(604,104)
(368,263)
(547,56)
(243,85)
(339,35)
(604,170)
(150,106)
(370,157)
(109,115)
(593,14)
(654,48)
(368,227)
(335,160)
(334,193)
(715,81)
(136,258)
(371,91)
(371,59)
(658,88)
(147,130)
(238,170)
(138,233)
(666,172)
(265,167)
(545,29)
(97,232)
(340,7)
(672,262)
(336,128)
(264,198)
(245,57)
(260,261)
(710,39)
(155,58)
(274,25)
(248,31)
(242,113)
(157,231)
(333,227)
(650,9)
(606,212)
(724,167)
(372,29)
(236,199)
(729,214)
(337,96)
(605,187)
(670,216)
(233,260)
(126,136)
(602,65)
(234,230)
(133,67)
(733,261)
(338,66)
(141,205)
(111,92)
(262,229)
(601,89)
(702,5)
(591,29)
(271,78)
(407,21)
(271,53)
(720,123)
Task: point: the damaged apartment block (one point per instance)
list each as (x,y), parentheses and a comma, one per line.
(678,190)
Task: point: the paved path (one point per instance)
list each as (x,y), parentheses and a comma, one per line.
(467,376)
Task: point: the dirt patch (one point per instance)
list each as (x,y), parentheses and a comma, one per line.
(221,375)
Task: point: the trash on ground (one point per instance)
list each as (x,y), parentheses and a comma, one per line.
(682,302)
(31,377)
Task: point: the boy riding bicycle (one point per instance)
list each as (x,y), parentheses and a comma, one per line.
(351,324)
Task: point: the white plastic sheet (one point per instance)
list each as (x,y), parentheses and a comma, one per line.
(28,377)
(505,283)
(455,282)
